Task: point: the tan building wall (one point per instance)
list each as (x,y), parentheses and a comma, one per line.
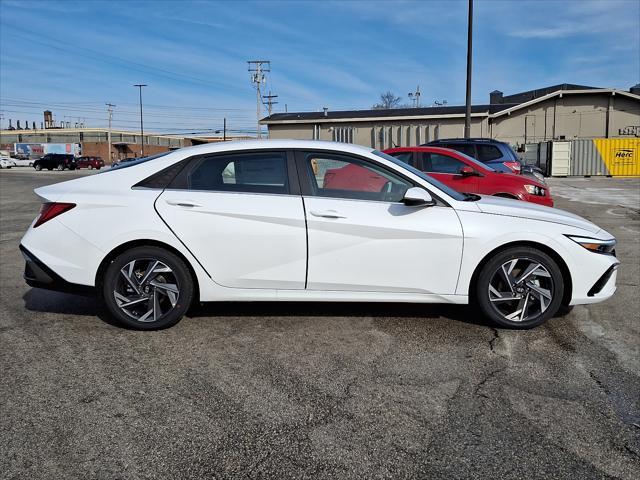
(572,116)
(382,134)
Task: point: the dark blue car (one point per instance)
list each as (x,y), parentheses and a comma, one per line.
(498,155)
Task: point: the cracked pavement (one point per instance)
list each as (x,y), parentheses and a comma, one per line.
(317,390)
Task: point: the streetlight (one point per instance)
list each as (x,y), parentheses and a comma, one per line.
(140,85)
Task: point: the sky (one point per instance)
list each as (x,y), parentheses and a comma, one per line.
(74,56)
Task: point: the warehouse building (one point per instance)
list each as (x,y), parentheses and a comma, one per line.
(90,142)
(558,112)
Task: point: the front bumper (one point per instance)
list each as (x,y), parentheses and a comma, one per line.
(38,275)
(546,201)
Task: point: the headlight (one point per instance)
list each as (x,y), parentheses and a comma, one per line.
(535,190)
(594,245)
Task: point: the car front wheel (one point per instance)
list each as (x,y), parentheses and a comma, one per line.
(38,167)
(60,167)
(520,288)
(147,288)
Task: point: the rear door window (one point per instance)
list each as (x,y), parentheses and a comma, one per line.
(256,172)
(467,149)
(487,153)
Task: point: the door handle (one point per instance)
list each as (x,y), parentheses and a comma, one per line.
(183,203)
(326,214)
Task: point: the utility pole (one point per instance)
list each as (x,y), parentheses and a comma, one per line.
(110,111)
(224,130)
(269,101)
(467,117)
(415,97)
(140,85)
(257,69)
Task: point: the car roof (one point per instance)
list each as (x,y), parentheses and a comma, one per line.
(276,144)
(465,140)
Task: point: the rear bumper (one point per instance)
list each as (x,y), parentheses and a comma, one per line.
(38,275)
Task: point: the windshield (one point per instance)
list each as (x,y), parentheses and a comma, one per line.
(441,186)
(137,161)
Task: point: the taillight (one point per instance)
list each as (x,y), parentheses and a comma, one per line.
(513,166)
(51,210)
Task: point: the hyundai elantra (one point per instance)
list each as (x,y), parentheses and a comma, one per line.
(306,221)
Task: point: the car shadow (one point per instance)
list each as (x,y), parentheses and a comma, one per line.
(460,313)
(46,301)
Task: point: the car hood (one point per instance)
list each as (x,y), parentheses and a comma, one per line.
(520,209)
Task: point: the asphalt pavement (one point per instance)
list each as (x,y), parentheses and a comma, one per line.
(319,391)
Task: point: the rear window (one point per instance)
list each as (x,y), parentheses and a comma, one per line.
(138,161)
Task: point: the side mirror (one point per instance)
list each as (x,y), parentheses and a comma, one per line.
(467,171)
(418,197)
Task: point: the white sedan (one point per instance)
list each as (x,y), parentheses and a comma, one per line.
(23,162)
(6,162)
(306,221)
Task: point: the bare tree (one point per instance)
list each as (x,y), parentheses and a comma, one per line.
(387,100)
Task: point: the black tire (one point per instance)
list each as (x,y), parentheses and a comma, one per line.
(113,281)
(496,310)
(38,167)
(60,167)
(90,167)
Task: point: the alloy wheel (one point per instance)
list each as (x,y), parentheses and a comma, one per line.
(146,290)
(521,289)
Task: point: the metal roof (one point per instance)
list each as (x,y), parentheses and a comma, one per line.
(488,110)
(382,113)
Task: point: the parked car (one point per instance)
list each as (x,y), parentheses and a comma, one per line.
(90,163)
(6,162)
(124,160)
(22,162)
(254,220)
(58,161)
(468,175)
(498,155)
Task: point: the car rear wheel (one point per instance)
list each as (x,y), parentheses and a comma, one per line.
(60,167)
(520,288)
(38,167)
(90,167)
(147,288)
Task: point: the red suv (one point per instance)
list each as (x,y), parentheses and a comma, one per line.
(467,175)
(90,163)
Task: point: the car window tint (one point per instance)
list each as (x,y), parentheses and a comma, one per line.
(465,148)
(436,163)
(405,157)
(488,152)
(259,172)
(347,177)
